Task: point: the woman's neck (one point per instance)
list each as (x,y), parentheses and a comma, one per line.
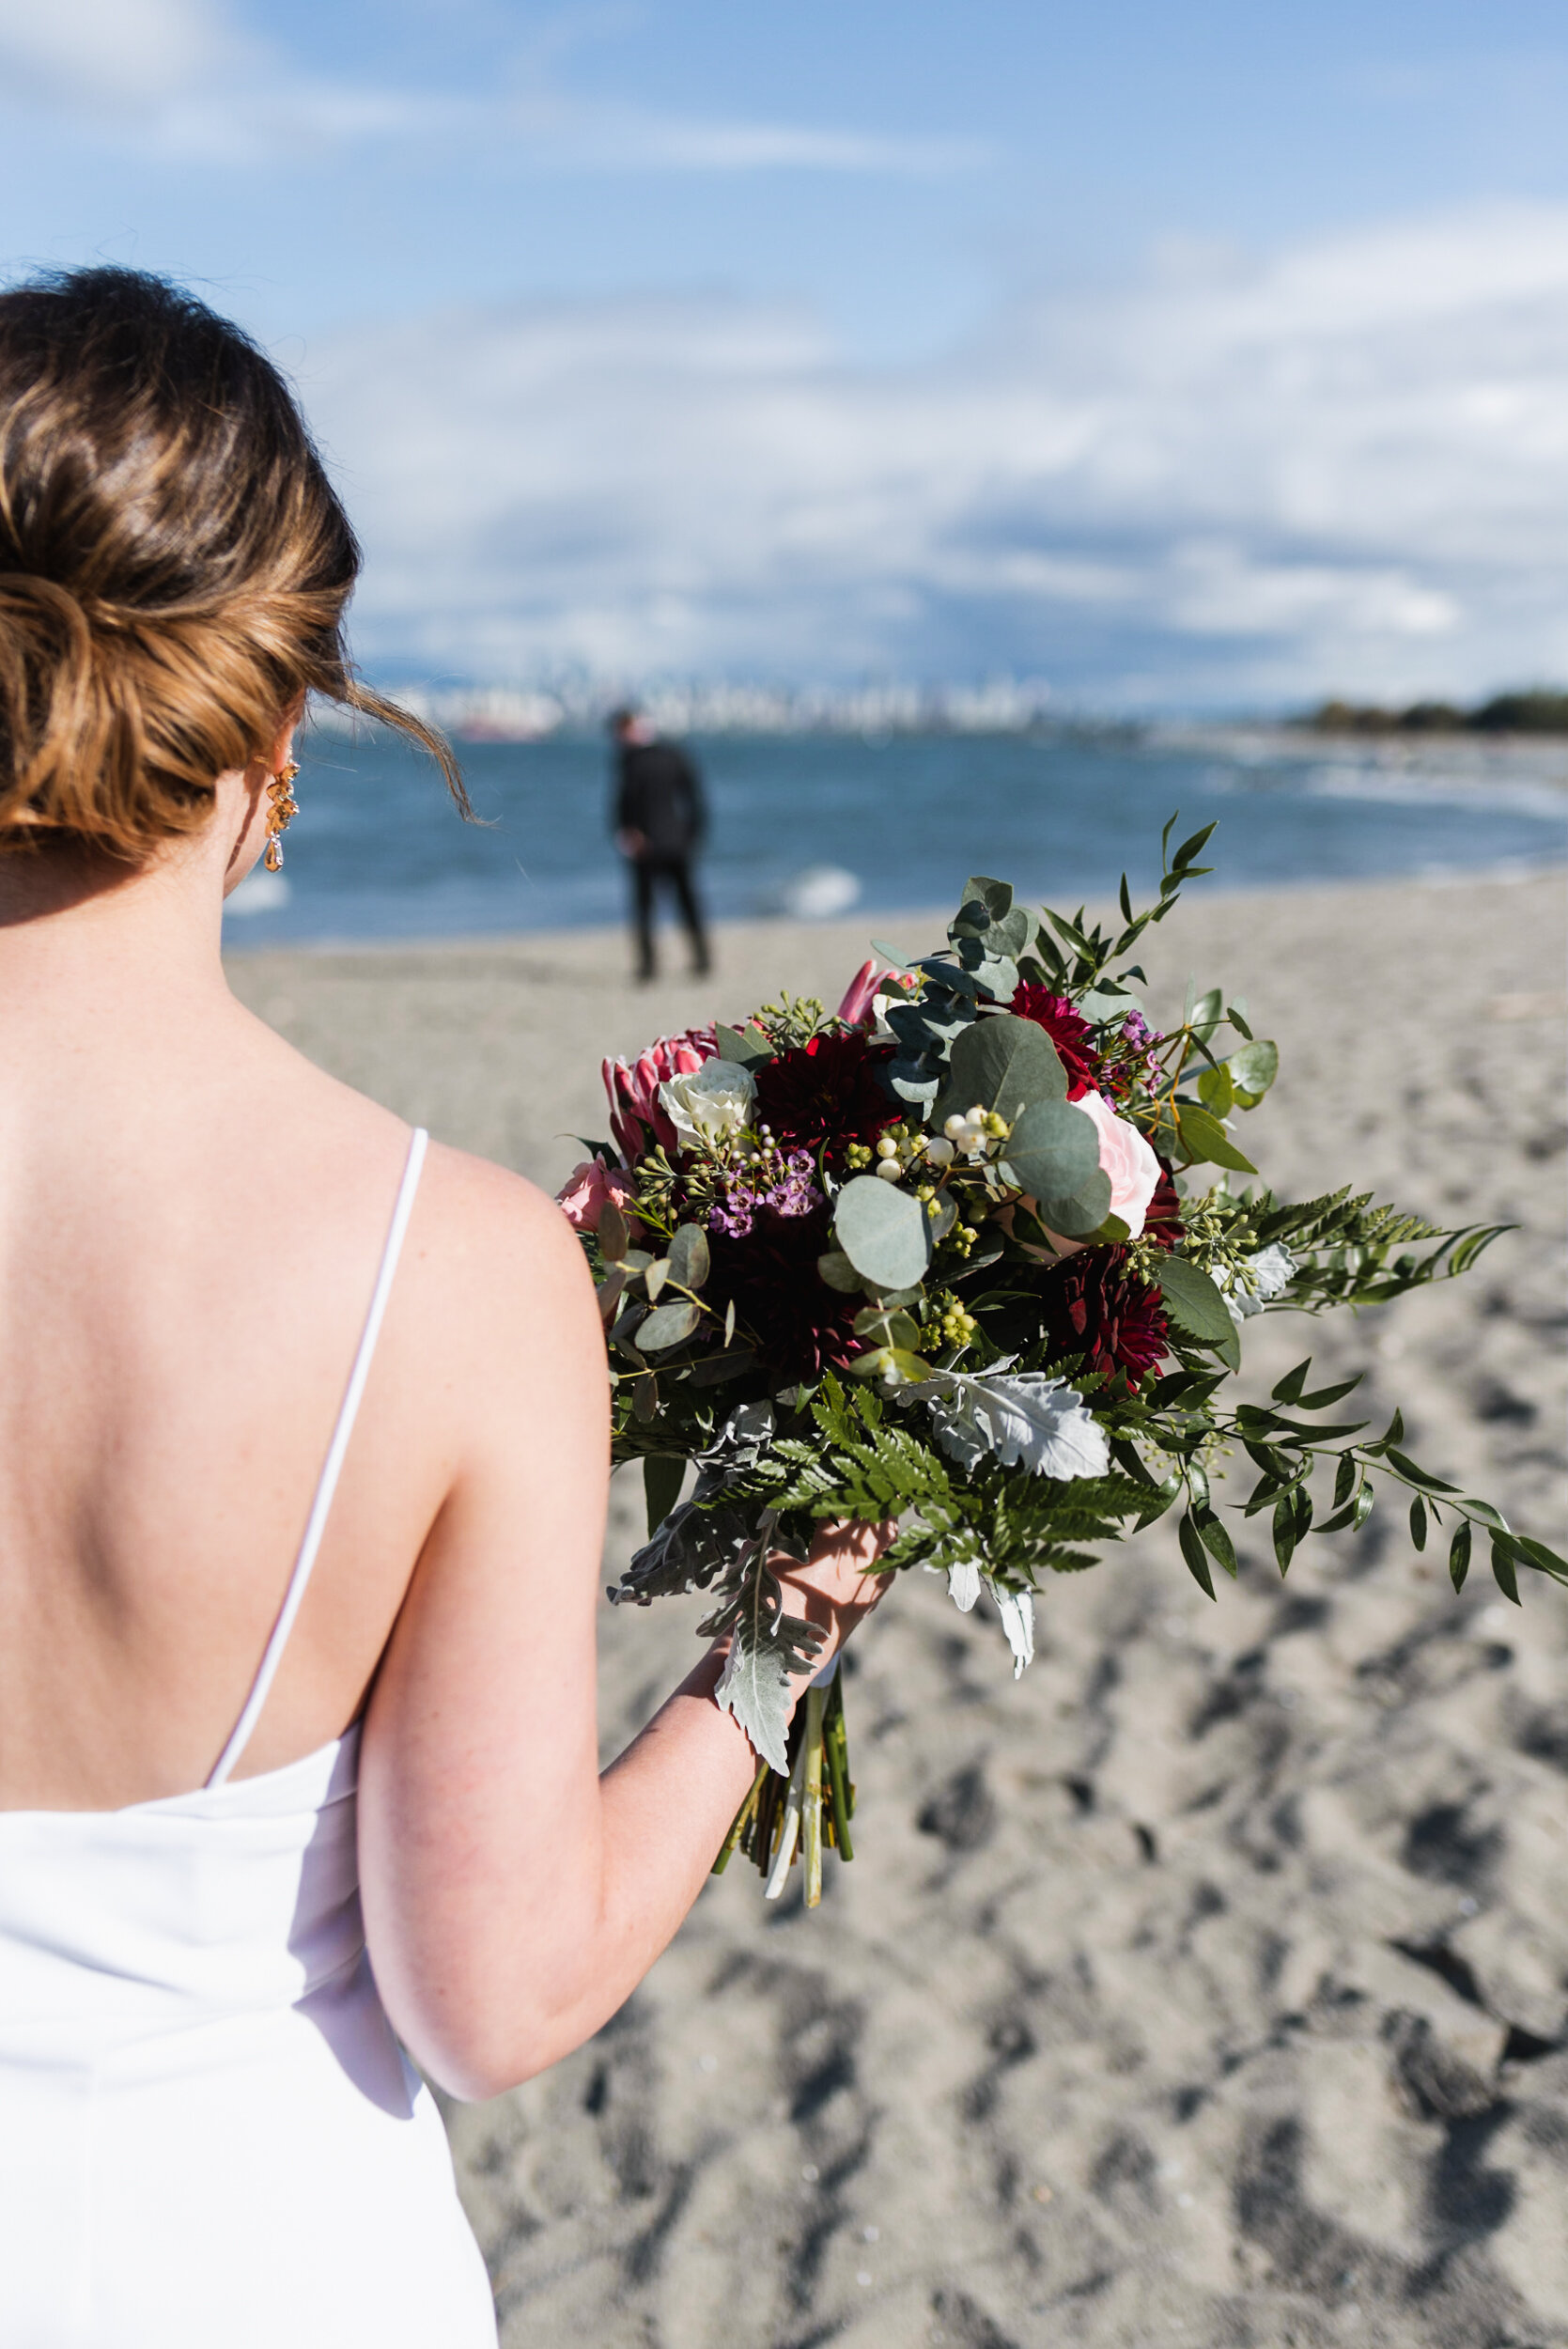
(93,954)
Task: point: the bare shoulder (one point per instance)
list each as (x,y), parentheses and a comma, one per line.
(499,1266)
(473,1209)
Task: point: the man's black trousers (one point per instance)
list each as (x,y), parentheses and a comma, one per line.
(673,873)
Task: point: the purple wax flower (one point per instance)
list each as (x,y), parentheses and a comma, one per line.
(795,1194)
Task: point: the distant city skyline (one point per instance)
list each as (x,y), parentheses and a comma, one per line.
(1199,361)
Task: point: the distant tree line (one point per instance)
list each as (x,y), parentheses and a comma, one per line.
(1540,709)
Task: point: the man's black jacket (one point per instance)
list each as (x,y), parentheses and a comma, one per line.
(659,795)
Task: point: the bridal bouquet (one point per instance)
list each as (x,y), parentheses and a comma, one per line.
(975,1252)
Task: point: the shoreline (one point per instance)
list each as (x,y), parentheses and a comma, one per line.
(932,921)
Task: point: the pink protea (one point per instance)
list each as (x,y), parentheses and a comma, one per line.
(858,1010)
(633,1088)
(588,1189)
(855,1010)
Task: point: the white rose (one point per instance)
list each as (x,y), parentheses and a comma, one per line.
(707,1104)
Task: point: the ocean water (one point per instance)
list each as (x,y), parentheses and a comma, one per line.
(815,825)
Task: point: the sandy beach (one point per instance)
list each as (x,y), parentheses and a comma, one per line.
(1209,1986)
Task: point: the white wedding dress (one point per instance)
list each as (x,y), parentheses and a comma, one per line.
(210,2138)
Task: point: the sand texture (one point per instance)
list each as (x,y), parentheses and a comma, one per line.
(1210,1985)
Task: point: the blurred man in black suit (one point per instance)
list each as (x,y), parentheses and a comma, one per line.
(659,819)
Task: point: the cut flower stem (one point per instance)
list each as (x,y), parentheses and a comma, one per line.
(794,1814)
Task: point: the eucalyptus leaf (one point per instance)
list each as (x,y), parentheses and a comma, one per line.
(746,1048)
(613,1235)
(994,896)
(941,1214)
(1106,1001)
(1215,1090)
(883,1231)
(668,1325)
(994,976)
(836,1269)
(1002,1064)
(891,1364)
(888,1329)
(1054,1152)
(690,1261)
(1085,1215)
(1253,1069)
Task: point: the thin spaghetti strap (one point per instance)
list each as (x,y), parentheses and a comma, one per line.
(316,1525)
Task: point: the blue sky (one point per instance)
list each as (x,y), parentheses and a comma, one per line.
(1197,357)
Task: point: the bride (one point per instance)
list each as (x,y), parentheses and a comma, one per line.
(303,1460)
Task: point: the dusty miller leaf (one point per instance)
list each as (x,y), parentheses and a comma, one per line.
(1027,1418)
(1016,1609)
(766,1644)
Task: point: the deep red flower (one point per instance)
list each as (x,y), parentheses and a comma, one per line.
(1162,1220)
(1068,1031)
(1094,1308)
(826,1093)
(801,1327)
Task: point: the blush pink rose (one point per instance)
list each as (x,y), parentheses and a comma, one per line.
(633,1087)
(1129,1162)
(588,1188)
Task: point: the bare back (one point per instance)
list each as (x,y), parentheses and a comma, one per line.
(190,1226)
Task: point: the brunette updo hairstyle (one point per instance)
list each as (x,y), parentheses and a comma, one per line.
(174,564)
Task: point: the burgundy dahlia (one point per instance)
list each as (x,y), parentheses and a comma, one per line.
(827,1094)
(799,1325)
(1068,1031)
(1093,1307)
(1162,1217)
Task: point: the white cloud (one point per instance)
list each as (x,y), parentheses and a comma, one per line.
(1345,465)
(115,54)
(183,82)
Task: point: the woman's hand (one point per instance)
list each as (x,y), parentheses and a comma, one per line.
(832,1587)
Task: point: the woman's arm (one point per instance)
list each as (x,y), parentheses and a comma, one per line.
(514,1898)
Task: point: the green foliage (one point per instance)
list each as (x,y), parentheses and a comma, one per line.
(955,1269)
(884,1231)
(793,1021)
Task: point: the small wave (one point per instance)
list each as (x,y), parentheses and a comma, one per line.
(1480,794)
(259,892)
(818,894)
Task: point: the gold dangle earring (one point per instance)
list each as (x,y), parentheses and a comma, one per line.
(281,814)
